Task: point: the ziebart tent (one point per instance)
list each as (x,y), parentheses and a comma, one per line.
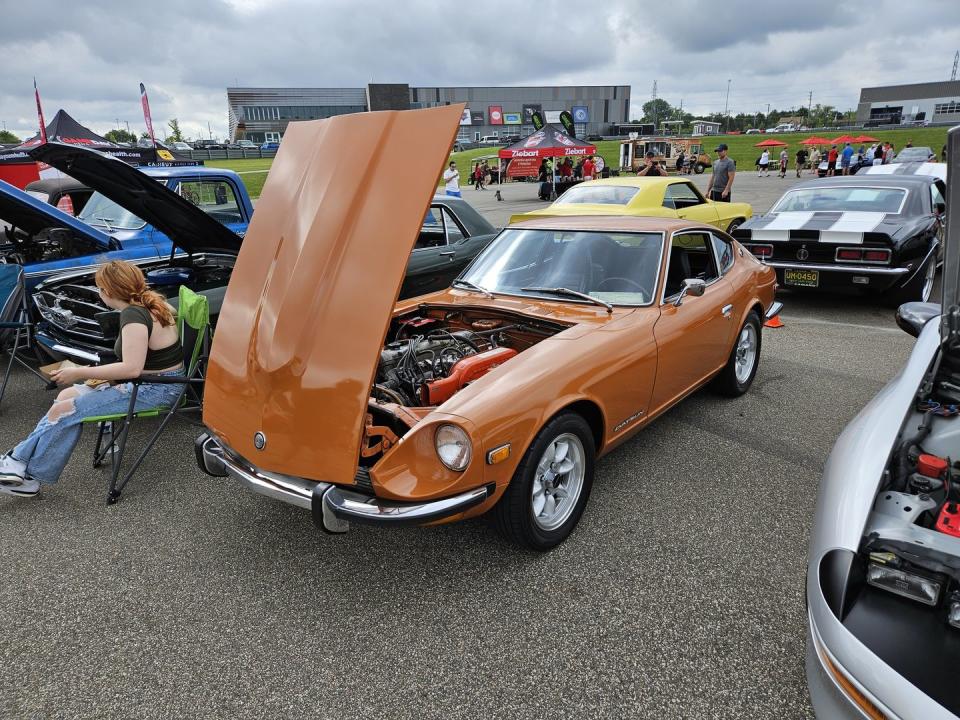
(18,168)
(547,142)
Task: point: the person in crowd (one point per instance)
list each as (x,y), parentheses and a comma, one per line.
(680,158)
(892,154)
(887,153)
(544,178)
(578,169)
(861,155)
(478,177)
(832,156)
(451,179)
(588,168)
(688,162)
(815,158)
(869,154)
(148,344)
(724,171)
(909,142)
(764,163)
(877,154)
(650,167)
(845,157)
(783,163)
(943,154)
(801,159)
(487,173)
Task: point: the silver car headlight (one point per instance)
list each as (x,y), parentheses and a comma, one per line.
(453,447)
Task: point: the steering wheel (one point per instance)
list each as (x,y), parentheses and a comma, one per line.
(637,285)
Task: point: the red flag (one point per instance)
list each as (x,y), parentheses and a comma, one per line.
(146,113)
(43,125)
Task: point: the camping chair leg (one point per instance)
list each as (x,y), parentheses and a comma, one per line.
(116,459)
(13,356)
(98,452)
(151,442)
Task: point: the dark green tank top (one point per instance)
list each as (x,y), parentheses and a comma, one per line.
(161,359)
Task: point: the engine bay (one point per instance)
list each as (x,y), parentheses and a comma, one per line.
(54,243)
(433,353)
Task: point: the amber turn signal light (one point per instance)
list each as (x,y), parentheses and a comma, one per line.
(498,454)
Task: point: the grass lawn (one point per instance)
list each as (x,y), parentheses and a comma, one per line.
(742,150)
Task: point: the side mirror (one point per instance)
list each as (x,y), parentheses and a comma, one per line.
(912,317)
(691,286)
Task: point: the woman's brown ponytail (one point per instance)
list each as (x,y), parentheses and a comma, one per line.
(125,281)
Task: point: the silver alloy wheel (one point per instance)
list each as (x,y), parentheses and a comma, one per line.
(558,481)
(930,277)
(746,353)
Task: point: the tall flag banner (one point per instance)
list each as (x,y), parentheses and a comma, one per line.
(566,119)
(146,113)
(43,125)
(537,120)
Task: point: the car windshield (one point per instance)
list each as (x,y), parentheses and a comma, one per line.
(914,154)
(842,199)
(615,267)
(597,195)
(104,212)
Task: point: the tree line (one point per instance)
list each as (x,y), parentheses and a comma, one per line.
(659,110)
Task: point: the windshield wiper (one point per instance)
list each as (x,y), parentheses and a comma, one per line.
(105,221)
(471,286)
(570,293)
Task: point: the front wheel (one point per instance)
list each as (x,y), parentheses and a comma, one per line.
(699,168)
(550,487)
(741,368)
(734,224)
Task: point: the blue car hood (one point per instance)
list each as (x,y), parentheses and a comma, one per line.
(27,213)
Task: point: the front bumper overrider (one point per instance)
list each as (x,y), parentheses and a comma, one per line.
(333,507)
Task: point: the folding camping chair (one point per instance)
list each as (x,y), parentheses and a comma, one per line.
(193,324)
(15,325)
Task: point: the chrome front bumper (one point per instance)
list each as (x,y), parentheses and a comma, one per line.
(333,507)
(824,267)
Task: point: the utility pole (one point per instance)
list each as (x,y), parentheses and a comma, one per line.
(653,99)
(809,104)
(128,125)
(209,131)
(956,59)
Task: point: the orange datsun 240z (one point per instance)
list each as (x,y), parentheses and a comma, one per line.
(560,341)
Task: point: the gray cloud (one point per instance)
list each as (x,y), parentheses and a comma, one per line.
(89,57)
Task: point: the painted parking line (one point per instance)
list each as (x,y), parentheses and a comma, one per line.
(787,319)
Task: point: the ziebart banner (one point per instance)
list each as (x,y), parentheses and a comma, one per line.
(495,113)
(512,119)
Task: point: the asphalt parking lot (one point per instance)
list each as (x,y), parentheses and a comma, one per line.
(680,594)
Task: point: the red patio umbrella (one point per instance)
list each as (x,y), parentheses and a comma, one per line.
(815,141)
(844,139)
(865,139)
(771,143)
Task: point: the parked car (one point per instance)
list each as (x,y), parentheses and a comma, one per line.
(461,145)
(77,323)
(561,340)
(783,128)
(488,140)
(869,233)
(243,145)
(668,197)
(914,154)
(857,164)
(883,573)
(270,146)
(591,138)
(64,193)
(180,146)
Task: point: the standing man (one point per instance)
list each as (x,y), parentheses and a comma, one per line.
(588,168)
(650,168)
(801,159)
(724,170)
(451,176)
(845,157)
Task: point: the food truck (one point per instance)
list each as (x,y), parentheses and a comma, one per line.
(666,150)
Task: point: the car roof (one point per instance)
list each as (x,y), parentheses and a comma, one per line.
(611,223)
(637,182)
(867,180)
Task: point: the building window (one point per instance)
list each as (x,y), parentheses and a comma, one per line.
(947,108)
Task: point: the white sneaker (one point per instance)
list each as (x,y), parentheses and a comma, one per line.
(10,466)
(17,486)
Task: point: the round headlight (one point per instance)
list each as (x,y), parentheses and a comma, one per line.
(454,447)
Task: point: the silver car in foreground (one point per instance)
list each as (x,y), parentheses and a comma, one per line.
(883,579)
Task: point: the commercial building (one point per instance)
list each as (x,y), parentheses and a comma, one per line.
(932,102)
(261,114)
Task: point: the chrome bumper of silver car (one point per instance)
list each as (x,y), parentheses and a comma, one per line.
(333,507)
(855,269)
(775,307)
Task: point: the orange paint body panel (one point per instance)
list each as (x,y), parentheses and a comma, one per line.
(466,371)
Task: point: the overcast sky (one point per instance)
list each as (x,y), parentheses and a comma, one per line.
(89,57)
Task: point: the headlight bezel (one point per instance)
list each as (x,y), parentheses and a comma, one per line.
(447,435)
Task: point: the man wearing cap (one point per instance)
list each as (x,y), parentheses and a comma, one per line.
(650,168)
(724,170)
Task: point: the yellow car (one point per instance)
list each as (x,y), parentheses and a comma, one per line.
(674,197)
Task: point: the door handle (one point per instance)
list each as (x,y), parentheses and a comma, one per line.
(447,253)
(727,311)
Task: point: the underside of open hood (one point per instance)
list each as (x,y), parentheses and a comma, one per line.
(187,226)
(30,214)
(311,295)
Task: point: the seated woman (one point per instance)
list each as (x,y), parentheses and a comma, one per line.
(148,344)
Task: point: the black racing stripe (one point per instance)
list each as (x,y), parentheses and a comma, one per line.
(758,223)
(821,221)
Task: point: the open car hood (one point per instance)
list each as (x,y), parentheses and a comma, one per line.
(311,295)
(187,226)
(30,214)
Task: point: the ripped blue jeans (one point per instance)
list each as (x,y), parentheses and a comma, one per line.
(48,448)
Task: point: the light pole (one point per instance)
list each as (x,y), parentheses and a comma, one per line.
(726,106)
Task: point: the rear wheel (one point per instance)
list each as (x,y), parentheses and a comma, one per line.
(920,286)
(550,487)
(699,168)
(741,368)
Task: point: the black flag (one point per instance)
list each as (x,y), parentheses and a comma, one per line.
(537,120)
(566,119)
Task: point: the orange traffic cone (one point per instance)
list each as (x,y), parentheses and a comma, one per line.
(774,322)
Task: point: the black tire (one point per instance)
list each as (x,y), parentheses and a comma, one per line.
(734,224)
(513,514)
(916,287)
(699,168)
(727,382)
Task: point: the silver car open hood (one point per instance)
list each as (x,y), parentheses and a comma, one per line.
(951,253)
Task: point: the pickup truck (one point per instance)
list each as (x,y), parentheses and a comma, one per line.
(47,241)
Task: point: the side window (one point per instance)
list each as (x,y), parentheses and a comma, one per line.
(454,233)
(724,252)
(691,256)
(431,232)
(215,198)
(936,197)
(681,195)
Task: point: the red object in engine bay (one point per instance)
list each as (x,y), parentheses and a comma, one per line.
(949,520)
(463,372)
(931,465)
